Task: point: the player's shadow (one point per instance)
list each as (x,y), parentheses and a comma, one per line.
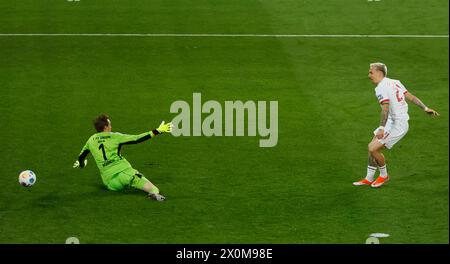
(102,191)
(151,165)
(96,193)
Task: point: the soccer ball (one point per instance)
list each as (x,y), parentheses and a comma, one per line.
(27,178)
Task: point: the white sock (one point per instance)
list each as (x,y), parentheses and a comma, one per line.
(370,173)
(383,171)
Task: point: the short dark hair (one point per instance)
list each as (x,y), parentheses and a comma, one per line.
(100,122)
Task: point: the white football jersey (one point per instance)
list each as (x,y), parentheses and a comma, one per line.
(393,91)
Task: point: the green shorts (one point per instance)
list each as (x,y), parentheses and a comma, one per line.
(128,177)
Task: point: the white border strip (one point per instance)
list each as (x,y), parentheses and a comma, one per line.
(210,35)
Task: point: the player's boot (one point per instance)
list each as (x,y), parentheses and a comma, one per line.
(156,196)
(380,181)
(363,182)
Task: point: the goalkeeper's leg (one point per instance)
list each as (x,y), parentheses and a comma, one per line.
(142,183)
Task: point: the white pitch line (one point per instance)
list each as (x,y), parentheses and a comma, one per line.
(210,35)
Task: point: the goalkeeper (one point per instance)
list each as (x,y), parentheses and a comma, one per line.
(115,170)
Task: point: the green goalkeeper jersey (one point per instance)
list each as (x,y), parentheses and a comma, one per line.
(105,148)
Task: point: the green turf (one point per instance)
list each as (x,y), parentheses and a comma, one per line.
(221,189)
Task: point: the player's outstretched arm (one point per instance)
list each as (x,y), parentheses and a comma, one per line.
(418,102)
(135,139)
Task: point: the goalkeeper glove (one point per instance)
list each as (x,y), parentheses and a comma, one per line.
(165,128)
(77,164)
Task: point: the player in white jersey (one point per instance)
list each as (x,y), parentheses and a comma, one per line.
(391,95)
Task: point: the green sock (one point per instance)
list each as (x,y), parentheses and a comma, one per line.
(154,190)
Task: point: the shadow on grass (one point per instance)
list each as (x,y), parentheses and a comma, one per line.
(96,194)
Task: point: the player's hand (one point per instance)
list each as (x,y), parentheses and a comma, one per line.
(165,128)
(431,112)
(380,133)
(77,164)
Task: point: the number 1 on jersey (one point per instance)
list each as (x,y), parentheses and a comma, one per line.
(103,151)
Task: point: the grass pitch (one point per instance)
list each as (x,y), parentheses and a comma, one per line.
(221,189)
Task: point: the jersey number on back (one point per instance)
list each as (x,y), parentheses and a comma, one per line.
(103,151)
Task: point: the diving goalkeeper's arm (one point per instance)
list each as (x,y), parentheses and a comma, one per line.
(120,140)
